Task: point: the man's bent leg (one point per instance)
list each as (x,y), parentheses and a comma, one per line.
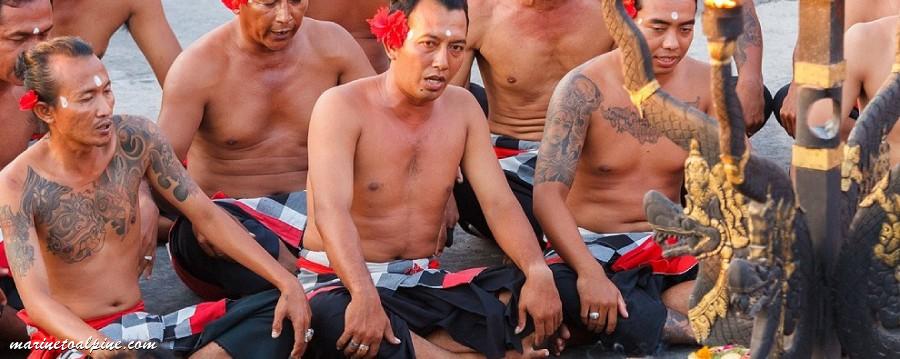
(210,351)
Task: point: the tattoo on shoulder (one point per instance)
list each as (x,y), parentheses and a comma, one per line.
(751,36)
(567,123)
(627,119)
(137,138)
(14,224)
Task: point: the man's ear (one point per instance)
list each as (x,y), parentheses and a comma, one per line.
(391,53)
(43,112)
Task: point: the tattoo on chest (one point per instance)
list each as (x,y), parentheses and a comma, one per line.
(567,123)
(627,119)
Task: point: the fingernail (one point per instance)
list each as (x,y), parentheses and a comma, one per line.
(275,334)
(518,330)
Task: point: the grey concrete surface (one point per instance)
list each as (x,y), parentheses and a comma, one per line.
(138,93)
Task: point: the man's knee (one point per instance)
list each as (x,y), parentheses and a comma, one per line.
(210,351)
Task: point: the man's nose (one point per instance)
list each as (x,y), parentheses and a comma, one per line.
(441,60)
(670,40)
(282,13)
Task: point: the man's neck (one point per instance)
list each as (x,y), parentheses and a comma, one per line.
(77,159)
(257,51)
(542,5)
(404,106)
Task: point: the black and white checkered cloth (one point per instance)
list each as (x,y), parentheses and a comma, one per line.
(521,164)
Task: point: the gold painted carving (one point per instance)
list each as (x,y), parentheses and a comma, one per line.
(818,75)
(822,159)
(887,250)
(638,97)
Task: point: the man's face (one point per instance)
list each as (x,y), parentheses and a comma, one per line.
(21,28)
(433,51)
(272,23)
(83,110)
(668,26)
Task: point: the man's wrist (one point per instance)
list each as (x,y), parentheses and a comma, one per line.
(537,270)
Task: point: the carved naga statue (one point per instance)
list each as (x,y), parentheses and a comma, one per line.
(793,260)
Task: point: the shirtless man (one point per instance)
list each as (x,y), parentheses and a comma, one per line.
(523,49)
(352,16)
(377,210)
(855,12)
(68,212)
(23,23)
(597,159)
(240,99)
(95,21)
(869,50)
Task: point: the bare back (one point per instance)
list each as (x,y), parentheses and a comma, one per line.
(523,53)
(18,126)
(403,173)
(352,15)
(872,54)
(623,157)
(86,225)
(250,113)
(858,11)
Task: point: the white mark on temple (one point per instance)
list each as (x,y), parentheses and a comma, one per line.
(64,102)
(36,31)
(98,81)
(409,35)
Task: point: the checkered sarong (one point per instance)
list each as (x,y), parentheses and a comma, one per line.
(179,331)
(518,157)
(317,276)
(624,251)
(284,214)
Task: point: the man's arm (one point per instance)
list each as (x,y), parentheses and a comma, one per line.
(170,179)
(332,148)
(508,223)
(748,58)
(154,36)
(574,101)
(182,105)
(356,64)
(29,273)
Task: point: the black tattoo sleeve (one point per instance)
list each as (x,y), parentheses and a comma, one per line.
(568,117)
(15,225)
(751,37)
(165,169)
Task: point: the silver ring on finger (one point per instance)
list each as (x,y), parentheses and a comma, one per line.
(307,337)
(353,345)
(593,315)
(363,348)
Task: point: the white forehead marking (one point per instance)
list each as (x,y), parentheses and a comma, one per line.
(640,21)
(97,81)
(674,15)
(63,101)
(448,33)
(36,31)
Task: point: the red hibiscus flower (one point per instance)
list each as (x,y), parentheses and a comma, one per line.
(389,28)
(28,100)
(629,8)
(233,4)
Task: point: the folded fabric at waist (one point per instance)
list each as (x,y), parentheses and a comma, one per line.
(316,275)
(625,251)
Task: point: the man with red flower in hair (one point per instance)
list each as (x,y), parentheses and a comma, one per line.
(352,15)
(384,155)
(236,106)
(598,158)
(523,49)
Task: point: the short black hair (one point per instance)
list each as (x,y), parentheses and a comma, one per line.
(33,65)
(407,6)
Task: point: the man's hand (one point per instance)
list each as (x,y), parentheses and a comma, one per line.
(149,217)
(540,300)
(365,324)
(292,305)
(451,216)
(601,302)
(789,111)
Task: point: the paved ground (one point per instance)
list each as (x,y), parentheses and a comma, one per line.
(138,93)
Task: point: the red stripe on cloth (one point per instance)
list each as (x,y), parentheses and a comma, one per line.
(3,263)
(303,263)
(502,152)
(461,277)
(650,253)
(288,233)
(206,313)
(321,290)
(97,323)
(554,260)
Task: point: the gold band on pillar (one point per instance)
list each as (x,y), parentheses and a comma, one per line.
(638,97)
(818,75)
(895,68)
(822,159)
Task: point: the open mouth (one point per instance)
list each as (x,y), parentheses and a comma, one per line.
(673,244)
(435,82)
(104,126)
(281,33)
(666,61)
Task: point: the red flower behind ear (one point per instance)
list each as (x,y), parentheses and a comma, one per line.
(389,28)
(630,8)
(233,4)
(28,100)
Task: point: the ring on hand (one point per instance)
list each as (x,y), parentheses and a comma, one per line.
(594,315)
(353,345)
(148,258)
(363,347)
(309,335)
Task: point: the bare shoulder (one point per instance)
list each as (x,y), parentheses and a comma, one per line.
(200,62)
(480,15)
(135,130)
(328,39)
(605,68)
(869,36)
(344,100)
(141,6)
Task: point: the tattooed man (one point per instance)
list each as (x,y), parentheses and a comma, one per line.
(236,107)
(68,213)
(598,158)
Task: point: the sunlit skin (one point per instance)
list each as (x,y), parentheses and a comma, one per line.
(271,24)
(352,15)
